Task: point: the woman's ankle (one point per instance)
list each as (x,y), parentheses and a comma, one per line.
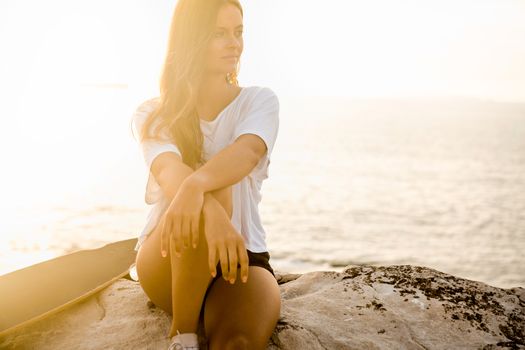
(174,331)
(187,339)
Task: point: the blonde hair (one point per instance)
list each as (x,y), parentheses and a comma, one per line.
(191,30)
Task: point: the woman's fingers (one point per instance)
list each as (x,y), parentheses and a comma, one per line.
(223,254)
(195,230)
(244,261)
(232,255)
(212,258)
(185,231)
(176,234)
(164,238)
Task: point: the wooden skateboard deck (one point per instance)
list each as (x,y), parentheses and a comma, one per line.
(37,291)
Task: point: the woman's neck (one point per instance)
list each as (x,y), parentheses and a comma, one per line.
(214,95)
(213,87)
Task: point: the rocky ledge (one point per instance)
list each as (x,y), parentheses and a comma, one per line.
(363,307)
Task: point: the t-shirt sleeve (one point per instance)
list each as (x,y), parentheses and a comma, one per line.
(151,148)
(261,119)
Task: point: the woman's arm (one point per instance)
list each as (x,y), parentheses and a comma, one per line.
(170,172)
(223,197)
(230,165)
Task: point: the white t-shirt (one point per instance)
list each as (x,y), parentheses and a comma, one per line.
(254,111)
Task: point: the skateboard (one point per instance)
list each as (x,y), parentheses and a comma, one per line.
(35,292)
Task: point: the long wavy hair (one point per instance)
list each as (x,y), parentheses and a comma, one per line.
(192,27)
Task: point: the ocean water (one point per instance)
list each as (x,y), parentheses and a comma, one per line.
(435,183)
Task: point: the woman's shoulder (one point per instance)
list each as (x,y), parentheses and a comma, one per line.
(144,108)
(142,111)
(261,94)
(148,105)
(259,89)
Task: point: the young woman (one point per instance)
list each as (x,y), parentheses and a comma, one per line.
(207,144)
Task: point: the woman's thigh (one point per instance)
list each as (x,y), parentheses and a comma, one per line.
(246,312)
(156,275)
(154,272)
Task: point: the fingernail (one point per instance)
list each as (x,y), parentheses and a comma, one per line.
(232,280)
(163,254)
(244,279)
(214,274)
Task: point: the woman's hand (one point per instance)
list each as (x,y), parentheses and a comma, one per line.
(181,219)
(223,238)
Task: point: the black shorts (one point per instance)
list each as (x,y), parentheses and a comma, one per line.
(255,259)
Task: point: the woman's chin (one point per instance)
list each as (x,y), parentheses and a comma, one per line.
(223,70)
(230,66)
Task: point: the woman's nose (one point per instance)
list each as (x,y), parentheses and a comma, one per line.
(234,42)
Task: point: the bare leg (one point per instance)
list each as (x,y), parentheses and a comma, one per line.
(190,278)
(252,311)
(177,285)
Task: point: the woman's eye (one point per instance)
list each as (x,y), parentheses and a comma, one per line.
(219,34)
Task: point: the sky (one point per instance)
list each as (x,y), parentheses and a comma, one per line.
(72,72)
(373,48)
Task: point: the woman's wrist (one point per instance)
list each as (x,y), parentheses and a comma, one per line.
(194,181)
(211,204)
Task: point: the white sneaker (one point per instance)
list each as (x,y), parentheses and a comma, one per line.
(184,341)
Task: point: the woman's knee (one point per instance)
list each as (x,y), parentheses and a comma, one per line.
(154,274)
(254,321)
(238,341)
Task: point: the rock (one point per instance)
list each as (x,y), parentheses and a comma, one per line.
(363,307)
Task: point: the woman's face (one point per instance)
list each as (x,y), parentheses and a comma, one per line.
(225,48)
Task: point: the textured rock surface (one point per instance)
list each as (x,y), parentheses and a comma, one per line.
(363,307)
